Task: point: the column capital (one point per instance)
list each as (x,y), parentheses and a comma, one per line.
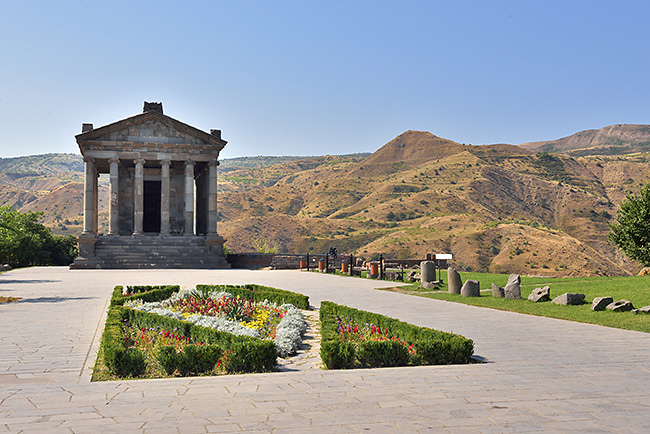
(140,161)
(89,159)
(213,163)
(114,160)
(165,162)
(189,162)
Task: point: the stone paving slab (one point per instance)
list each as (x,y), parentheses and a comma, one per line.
(543,375)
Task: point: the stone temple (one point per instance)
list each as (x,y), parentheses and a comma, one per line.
(163,194)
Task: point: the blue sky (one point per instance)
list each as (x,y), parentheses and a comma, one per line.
(315,78)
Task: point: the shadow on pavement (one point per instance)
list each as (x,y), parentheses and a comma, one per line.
(28,281)
(52,299)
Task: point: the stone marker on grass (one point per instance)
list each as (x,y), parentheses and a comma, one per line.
(620,306)
(540,294)
(453,281)
(569,298)
(644,309)
(512,291)
(497,291)
(600,303)
(471,288)
(427,271)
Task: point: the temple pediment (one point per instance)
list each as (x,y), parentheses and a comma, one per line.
(150,128)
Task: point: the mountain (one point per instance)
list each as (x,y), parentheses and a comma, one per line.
(498,208)
(611,140)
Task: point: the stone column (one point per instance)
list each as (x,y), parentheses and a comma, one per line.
(113,222)
(138,197)
(164,197)
(212,197)
(96,203)
(89,196)
(189,197)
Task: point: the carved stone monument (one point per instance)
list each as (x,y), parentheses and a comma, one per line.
(163,194)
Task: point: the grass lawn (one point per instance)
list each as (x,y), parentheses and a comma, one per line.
(636,289)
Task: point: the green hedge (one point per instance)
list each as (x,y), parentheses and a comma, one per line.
(260,293)
(197,359)
(145,293)
(245,354)
(432,347)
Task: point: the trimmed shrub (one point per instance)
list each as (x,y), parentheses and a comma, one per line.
(336,354)
(120,360)
(144,293)
(431,347)
(254,355)
(379,354)
(198,359)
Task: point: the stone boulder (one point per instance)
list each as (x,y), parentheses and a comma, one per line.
(428,285)
(471,288)
(600,303)
(497,291)
(644,309)
(512,290)
(453,281)
(569,298)
(412,276)
(540,294)
(5,267)
(621,306)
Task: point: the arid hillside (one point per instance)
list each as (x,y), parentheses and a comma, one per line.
(611,140)
(498,208)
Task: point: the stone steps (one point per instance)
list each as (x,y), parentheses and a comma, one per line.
(152,252)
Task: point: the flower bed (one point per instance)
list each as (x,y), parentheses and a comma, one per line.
(355,338)
(195,332)
(260,293)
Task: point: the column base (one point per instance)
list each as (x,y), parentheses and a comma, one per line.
(215,243)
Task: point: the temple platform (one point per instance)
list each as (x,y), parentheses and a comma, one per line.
(152,251)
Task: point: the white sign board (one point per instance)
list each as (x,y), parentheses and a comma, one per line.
(443,256)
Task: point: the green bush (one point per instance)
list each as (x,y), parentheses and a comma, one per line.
(198,359)
(254,355)
(432,347)
(25,242)
(260,293)
(144,293)
(168,358)
(336,354)
(120,360)
(379,354)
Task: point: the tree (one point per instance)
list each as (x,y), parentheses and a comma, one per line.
(631,230)
(25,242)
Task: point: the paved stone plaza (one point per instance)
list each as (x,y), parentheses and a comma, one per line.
(541,375)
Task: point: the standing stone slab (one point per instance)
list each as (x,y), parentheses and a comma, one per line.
(540,294)
(471,288)
(427,271)
(569,298)
(454,283)
(497,291)
(621,306)
(601,303)
(512,291)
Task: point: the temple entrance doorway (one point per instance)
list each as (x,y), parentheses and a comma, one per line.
(151,220)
